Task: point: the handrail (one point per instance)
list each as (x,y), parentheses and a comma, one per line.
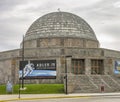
(112,79)
(91,80)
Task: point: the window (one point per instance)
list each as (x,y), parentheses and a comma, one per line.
(78,66)
(97,66)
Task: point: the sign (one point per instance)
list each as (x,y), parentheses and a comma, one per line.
(9,87)
(117,67)
(37,69)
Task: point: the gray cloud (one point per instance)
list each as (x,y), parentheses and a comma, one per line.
(18,15)
(7,5)
(104,19)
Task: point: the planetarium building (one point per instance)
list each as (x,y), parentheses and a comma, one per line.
(65,44)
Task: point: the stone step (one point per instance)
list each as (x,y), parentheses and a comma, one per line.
(92,83)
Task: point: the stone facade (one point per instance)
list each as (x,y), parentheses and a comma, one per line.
(9,62)
(54,37)
(9,66)
(61,42)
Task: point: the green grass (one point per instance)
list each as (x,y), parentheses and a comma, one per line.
(2,89)
(36,89)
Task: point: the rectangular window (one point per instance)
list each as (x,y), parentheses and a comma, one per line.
(78,66)
(97,66)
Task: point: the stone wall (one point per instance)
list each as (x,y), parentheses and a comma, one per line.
(30,44)
(61,42)
(9,54)
(111,53)
(6,68)
(5,71)
(9,60)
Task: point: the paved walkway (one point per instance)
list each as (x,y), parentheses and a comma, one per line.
(4,98)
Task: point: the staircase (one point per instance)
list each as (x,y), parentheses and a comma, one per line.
(112,82)
(92,83)
(82,84)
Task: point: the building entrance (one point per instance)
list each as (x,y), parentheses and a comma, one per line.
(97,66)
(78,66)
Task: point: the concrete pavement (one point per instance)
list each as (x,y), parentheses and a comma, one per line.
(5,98)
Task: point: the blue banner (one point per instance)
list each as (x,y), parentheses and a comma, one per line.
(117,67)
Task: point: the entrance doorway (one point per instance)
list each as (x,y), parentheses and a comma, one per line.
(78,66)
(97,66)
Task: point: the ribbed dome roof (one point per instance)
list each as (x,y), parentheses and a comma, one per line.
(60,24)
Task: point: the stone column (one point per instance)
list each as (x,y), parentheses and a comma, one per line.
(68,82)
(108,66)
(13,70)
(69,65)
(60,69)
(87,66)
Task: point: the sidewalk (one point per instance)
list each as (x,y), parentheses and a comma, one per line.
(4,98)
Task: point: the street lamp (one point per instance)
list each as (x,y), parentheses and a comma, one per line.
(23,60)
(66,73)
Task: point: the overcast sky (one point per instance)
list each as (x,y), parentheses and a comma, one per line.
(17,15)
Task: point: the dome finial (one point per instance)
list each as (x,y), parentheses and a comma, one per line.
(58,10)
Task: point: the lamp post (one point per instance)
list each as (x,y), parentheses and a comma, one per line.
(22,69)
(66,77)
(23,60)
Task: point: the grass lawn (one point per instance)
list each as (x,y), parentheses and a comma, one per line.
(36,89)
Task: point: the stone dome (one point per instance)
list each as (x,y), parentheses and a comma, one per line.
(60,24)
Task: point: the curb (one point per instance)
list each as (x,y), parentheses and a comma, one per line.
(65,96)
(56,97)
